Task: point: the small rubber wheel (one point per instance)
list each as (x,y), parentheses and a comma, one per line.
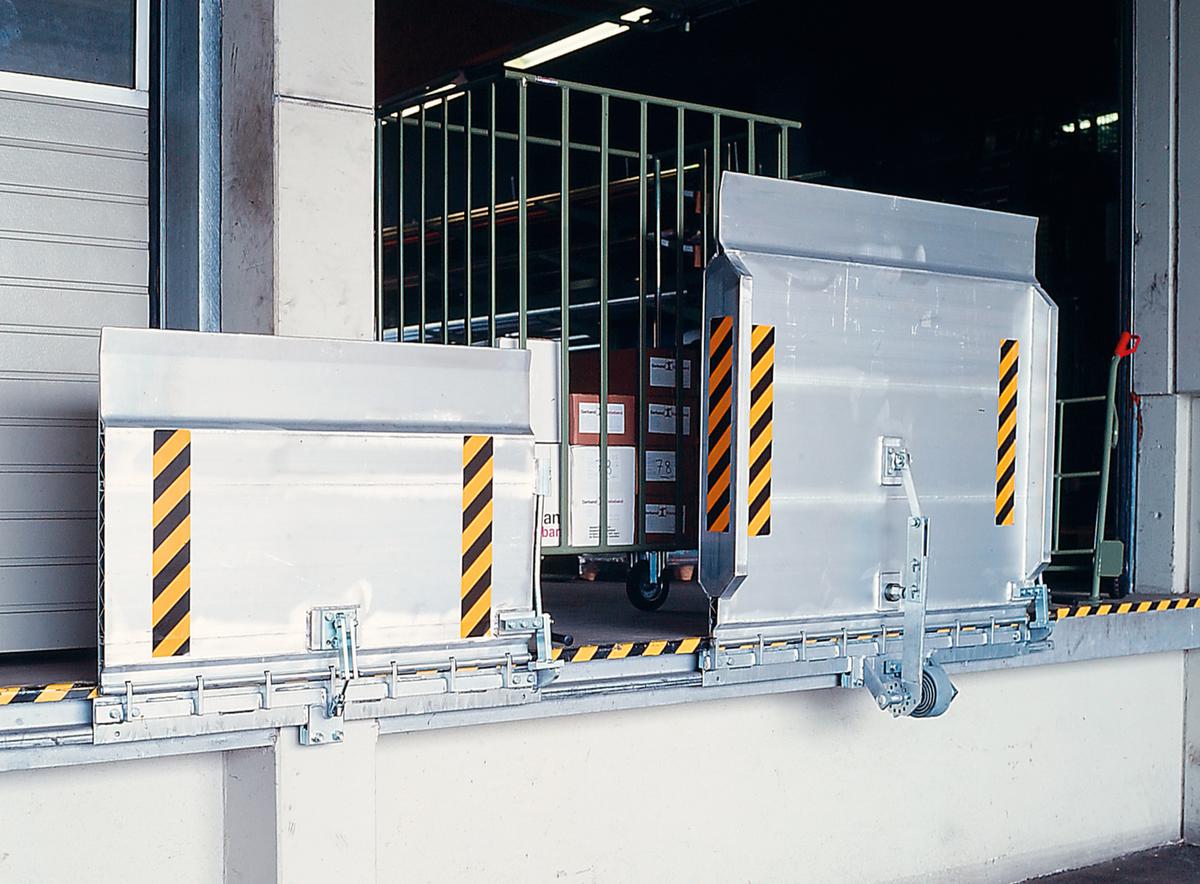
(644,595)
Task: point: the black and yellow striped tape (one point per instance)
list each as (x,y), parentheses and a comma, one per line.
(47,693)
(621,650)
(478,468)
(720,424)
(1105,609)
(762,400)
(1006,433)
(170,611)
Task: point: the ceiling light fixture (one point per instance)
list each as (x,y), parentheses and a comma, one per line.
(575,42)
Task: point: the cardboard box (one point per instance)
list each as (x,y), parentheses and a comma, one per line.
(585,420)
(661,370)
(623,370)
(584,521)
(660,522)
(662,419)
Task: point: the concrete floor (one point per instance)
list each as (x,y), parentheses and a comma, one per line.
(1172,864)
(595,613)
(48,667)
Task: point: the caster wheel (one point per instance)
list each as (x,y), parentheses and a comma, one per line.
(644,595)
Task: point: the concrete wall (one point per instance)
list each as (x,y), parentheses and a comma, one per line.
(1032,770)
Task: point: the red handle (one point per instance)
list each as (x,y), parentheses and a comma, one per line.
(1127,345)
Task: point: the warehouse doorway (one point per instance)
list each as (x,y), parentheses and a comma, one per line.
(1042,140)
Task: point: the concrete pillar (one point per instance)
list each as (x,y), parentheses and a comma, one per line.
(302,813)
(1165,147)
(298,147)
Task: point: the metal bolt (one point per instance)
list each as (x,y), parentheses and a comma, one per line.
(916,522)
(316,738)
(114,714)
(337,736)
(883,702)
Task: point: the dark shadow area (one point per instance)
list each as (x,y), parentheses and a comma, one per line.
(595,613)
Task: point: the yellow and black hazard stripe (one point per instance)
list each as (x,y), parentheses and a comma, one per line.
(478,468)
(170,609)
(47,693)
(762,400)
(1006,433)
(621,650)
(720,422)
(1106,609)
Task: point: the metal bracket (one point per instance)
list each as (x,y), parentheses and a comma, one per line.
(543,667)
(897,687)
(332,629)
(1040,626)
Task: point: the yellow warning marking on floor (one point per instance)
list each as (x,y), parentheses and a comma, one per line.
(1112,609)
(762,399)
(622,650)
(1006,433)
(720,424)
(688,646)
(47,693)
(475,619)
(170,563)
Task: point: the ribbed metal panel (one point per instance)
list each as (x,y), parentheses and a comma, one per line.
(73,258)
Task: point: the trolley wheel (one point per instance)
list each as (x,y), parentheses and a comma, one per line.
(643,594)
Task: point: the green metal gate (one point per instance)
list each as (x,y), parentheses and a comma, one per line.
(531,207)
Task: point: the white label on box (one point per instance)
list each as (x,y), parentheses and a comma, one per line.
(584,527)
(660,518)
(660,419)
(662,372)
(660,466)
(589,418)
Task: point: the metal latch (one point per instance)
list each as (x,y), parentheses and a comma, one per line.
(332,629)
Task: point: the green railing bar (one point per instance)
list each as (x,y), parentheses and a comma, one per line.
(379,231)
(424,187)
(643,393)
(603,464)
(445,221)
(400,229)
(470,266)
(679,289)
(492,218)
(522,215)
(649,99)
(750,148)
(564,394)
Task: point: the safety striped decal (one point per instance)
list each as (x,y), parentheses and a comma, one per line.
(1105,609)
(47,693)
(621,650)
(170,610)
(478,467)
(1006,433)
(762,399)
(720,426)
